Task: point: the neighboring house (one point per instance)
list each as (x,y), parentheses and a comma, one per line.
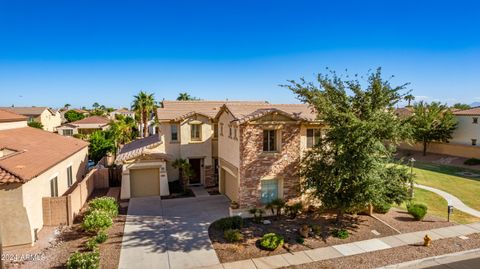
(33,164)
(84,126)
(250,149)
(122,111)
(468,128)
(49,118)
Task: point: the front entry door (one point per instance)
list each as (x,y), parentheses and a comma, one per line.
(196,165)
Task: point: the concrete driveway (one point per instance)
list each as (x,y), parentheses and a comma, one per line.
(171,233)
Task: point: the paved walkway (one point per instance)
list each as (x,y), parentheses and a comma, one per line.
(199,191)
(457,260)
(354,248)
(452,200)
(170,234)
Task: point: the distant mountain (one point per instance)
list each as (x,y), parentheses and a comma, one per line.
(475,104)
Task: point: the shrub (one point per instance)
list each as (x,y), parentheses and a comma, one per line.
(107,204)
(87,260)
(91,244)
(257,214)
(101,237)
(418,211)
(472,161)
(233,236)
(294,209)
(229,223)
(276,206)
(340,233)
(316,229)
(300,240)
(271,241)
(96,220)
(382,208)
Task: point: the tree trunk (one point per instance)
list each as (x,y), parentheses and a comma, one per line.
(424,148)
(145,124)
(339,216)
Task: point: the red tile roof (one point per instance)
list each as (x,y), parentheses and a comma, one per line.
(7,116)
(468,112)
(245,112)
(29,111)
(36,152)
(138,147)
(92,120)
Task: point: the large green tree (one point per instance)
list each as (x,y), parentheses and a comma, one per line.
(143,104)
(432,122)
(101,143)
(73,115)
(352,164)
(461,106)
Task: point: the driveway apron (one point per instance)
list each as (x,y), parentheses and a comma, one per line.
(170,233)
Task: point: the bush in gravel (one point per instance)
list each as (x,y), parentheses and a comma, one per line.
(107,204)
(382,208)
(316,229)
(271,241)
(101,237)
(472,161)
(418,211)
(257,214)
(276,206)
(91,244)
(340,233)
(87,260)
(96,220)
(229,223)
(233,236)
(293,210)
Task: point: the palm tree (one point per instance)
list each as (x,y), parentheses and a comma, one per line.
(95,105)
(185,170)
(143,104)
(67,106)
(183,96)
(409,98)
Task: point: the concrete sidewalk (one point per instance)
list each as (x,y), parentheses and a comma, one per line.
(343,250)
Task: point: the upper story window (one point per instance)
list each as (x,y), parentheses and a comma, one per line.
(174,132)
(215,130)
(230,131)
(196,131)
(54,187)
(474,142)
(69,176)
(313,136)
(475,120)
(68,132)
(221,129)
(234,132)
(269,140)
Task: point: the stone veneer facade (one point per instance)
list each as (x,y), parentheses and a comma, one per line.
(256,164)
(209,180)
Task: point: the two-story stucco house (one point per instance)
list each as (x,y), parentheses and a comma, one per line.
(33,164)
(468,128)
(121,111)
(49,118)
(250,149)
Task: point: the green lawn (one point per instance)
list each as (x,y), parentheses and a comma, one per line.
(438,206)
(446,178)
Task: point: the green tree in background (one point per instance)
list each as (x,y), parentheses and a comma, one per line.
(35,124)
(432,123)
(100,144)
(73,115)
(352,166)
(183,96)
(461,106)
(409,98)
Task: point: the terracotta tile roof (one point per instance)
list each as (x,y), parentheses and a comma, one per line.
(138,147)
(246,112)
(122,110)
(404,111)
(37,151)
(468,112)
(7,116)
(29,111)
(178,110)
(92,120)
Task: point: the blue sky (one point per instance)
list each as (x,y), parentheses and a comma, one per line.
(80,52)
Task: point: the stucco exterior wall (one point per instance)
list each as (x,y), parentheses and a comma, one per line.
(228,148)
(466,131)
(35,189)
(50,122)
(12,125)
(14,225)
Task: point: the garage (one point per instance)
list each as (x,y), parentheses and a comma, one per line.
(229,185)
(144,182)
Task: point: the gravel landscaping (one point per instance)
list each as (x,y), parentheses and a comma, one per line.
(405,223)
(397,255)
(57,244)
(360,228)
